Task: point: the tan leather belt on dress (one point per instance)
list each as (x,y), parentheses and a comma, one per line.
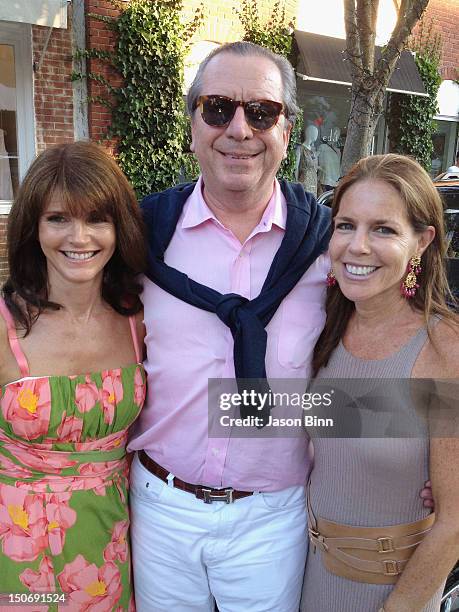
(375,555)
(206,494)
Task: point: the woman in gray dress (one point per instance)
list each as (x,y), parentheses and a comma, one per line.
(376,546)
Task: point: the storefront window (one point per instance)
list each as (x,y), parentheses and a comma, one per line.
(17,128)
(444,146)
(326,112)
(9,170)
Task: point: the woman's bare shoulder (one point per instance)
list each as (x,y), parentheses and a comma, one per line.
(440,356)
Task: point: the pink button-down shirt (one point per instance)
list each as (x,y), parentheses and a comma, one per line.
(186,346)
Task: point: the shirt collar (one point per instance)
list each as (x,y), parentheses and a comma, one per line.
(197,211)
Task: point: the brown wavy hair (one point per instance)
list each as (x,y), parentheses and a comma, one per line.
(87,179)
(424,207)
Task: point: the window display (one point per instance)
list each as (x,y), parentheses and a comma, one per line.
(307,160)
(8,140)
(326,111)
(444,146)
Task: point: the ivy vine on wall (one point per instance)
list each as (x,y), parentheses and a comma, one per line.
(277,35)
(148,116)
(410,118)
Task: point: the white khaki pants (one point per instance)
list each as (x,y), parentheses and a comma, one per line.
(248,555)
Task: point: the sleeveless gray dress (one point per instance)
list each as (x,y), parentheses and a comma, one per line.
(367,482)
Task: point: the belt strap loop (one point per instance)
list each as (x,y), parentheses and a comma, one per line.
(170,480)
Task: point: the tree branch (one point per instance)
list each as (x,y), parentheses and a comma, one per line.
(409,14)
(352,37)
(367,11)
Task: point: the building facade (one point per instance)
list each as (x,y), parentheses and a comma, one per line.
(42,104)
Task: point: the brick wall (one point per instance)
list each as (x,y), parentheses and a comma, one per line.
(445,17)
(52,86)
(99,36)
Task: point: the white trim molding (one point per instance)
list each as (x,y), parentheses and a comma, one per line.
(51,13)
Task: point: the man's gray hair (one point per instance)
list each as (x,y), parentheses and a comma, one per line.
(248,49)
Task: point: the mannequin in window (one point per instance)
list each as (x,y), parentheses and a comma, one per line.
(6,187)
(306,160)
(330,160)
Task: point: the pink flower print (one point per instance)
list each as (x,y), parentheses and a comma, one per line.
(26,405)
(44,461)
(112,393)
(115,440)
(30,608)
(60,517)
(119,488)
(22,524)
(131,605)
(117,548)
(41,581)
(100,468)
(98,474)
(139,388)
(9,468)
(57,484)
(86,395)
(70,429)
(90,588)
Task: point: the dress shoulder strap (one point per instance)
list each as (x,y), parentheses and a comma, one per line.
(13,339)
(135,339)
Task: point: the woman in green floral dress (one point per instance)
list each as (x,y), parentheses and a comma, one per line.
(71,383)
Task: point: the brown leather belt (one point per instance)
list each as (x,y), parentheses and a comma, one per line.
(206,494)
(375,555)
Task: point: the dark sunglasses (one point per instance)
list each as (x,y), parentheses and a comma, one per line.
(218,111)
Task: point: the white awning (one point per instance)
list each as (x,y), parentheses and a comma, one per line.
(51,13)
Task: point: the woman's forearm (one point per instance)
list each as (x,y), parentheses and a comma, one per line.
(426,570)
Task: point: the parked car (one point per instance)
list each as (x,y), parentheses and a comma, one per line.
(448,178)
(450,599)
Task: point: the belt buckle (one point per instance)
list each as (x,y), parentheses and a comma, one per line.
(385,545)
(209,497)
(390,567)
(317,539)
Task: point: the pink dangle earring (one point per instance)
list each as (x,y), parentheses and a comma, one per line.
(331,278)
(410,285)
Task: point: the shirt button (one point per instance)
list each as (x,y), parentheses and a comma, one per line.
(215,452)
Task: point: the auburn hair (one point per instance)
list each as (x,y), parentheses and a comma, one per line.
(424,207)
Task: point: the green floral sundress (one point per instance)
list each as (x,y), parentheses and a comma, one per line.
(64,521)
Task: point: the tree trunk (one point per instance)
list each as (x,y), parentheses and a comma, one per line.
(366,108)
(370,78)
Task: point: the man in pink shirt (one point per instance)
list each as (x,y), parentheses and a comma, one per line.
(223,518)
